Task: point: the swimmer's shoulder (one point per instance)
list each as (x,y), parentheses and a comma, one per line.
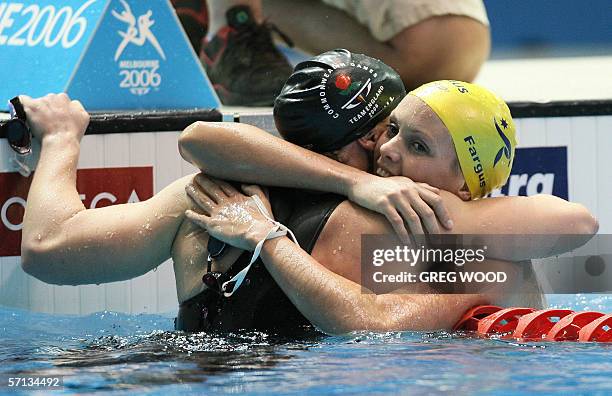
(339,244)
(349,216)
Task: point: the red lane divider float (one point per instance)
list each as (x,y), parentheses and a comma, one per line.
(528,324)
(536,325)
(568,327)
(502,322)
(469,321)
(599,330)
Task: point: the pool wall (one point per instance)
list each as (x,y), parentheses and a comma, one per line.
(581,130)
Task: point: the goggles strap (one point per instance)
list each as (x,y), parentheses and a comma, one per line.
(278,230)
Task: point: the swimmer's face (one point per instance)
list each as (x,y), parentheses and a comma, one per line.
(416,144)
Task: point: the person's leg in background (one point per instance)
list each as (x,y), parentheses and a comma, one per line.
(424,40)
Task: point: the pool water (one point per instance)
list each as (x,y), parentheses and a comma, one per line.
(139,354)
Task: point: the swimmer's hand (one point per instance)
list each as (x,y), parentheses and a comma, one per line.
(228,214)
(401,200)
(55,116)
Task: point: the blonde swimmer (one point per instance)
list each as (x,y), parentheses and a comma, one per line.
(462,130)
(472,115)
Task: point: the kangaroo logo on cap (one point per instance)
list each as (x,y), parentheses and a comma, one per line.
(507,148)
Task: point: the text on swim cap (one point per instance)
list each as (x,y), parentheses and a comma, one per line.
(370,108)
(478,169)
(460,87)
(326,107)
(329,109)
(366,68)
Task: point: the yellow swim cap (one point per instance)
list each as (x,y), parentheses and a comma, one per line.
(481,127)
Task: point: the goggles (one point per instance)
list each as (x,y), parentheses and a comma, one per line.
(16,129)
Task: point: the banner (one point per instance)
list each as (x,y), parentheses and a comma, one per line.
(537,170)
(96,187)
(109,54)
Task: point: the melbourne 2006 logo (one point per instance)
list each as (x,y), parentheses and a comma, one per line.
(139,76)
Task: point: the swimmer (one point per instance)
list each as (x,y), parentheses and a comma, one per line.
(332,273)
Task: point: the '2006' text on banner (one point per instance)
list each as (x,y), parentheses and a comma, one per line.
(109,54)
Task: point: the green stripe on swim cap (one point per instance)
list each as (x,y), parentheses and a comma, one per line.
(481,127)
(335,98)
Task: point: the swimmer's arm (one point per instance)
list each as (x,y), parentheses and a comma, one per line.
(531,227)
(331,300)
(244,153)
(337,305)
(64,243)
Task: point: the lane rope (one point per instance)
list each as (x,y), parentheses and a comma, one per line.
(529,324)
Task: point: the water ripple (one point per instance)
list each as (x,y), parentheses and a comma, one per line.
(124,354)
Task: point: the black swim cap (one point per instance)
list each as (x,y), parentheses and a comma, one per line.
(335,98)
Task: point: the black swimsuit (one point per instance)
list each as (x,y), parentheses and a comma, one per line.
(260,304)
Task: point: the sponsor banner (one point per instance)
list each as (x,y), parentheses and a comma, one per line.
(97,188)
(537,170)
(109,54)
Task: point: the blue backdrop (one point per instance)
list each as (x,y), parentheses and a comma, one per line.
(558,23)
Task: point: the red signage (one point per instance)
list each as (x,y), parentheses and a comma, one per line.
(97,188)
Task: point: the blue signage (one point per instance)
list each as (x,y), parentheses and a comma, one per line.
(109,54)
(537,170)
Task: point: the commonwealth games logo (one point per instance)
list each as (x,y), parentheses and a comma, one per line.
(138,76)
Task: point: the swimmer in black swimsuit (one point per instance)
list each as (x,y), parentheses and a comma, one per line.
(326,290)
(259,303)
(307,213)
